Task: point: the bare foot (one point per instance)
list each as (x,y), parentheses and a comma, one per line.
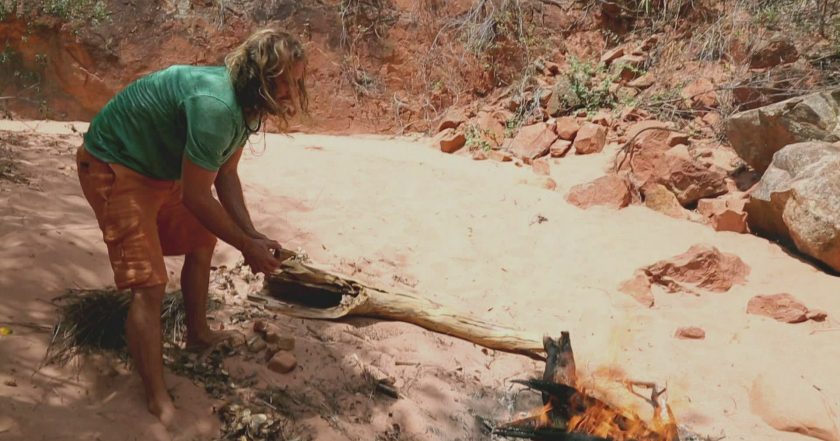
(210,339)
(163,409)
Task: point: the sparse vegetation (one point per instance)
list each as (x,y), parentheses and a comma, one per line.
(590,84)
(77,13)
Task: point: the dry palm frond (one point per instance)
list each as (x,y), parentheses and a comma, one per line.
(93,321)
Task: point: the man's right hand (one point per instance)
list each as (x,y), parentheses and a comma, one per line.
(258,256)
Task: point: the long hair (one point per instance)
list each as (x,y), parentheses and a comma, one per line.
(254,67)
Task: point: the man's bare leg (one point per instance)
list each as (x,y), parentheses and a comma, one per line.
(195,281)
(142,330)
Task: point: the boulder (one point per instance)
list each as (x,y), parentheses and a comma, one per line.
(773,53)
(759,133)
(566,128)
(590,139)
(689,180)
(610,190)
(560,148)
(798,200)
(533,141)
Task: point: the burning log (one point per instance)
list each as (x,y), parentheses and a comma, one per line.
(571,414)
(301,290)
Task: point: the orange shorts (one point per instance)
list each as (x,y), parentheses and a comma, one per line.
(142,219)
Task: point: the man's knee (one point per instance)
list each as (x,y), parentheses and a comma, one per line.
(150,295)
(204,253)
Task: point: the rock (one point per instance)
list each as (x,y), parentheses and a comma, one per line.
(610,190)
(702,266)
(491,128)
(560,148)
(773,53)
(700,94)
(256,344)
(282,362)
(451,141)
(260,326)
(798,200)
(690,333)
(816,315)
(562,98)
(452,119)
(689,180)
(650,140)
(638,287)
(712,119)
(541,166)
(780,307)
(498,155)
(659,198)
(590,139)
(758,134)
(284,342)
(603,117)
(643,82)
(479,155)
(612,54)
(566,128)
(548,184)
(533,141)
(628,67)
(787,402)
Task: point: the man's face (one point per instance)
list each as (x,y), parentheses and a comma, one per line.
(284,91)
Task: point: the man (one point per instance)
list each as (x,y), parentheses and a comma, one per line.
(147,166)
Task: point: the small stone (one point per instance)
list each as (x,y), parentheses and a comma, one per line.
(498,155)
(256,344)
(690,333)
(541,166)
(284,342)
(479,155)
(282,362)
(590,139)
(780,307)
(260,326)
(816,315)
(10,383)
(451,141)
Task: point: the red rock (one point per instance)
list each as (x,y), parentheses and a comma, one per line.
(772,53)
(690,333)
(780,307)
(491,128)
(639,288)
(282,362)
(533,141)
(643,82)
(451,141)
(712,119)
(724,214)
(603,117)
(702,266)
(560,148)
(610,190)
(479,155)
(612,54)
(452,119)
(628,67)
(549,184)
(689,180)
(259,326)
(590,139)
(817,315)
(700,94)
(498,155)
(566,128)
(541,166)
(659,198)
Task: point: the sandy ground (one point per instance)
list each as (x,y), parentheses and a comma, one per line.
(398,214)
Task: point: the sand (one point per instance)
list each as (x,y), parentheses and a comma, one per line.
(396,213)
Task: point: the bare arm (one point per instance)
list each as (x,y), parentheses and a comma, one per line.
(198,198)
(229,189)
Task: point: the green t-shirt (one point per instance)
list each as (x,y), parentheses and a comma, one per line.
(152,123)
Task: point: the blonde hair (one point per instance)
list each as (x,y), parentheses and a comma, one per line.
(254,66)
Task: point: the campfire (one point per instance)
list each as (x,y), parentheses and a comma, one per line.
(570,414)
